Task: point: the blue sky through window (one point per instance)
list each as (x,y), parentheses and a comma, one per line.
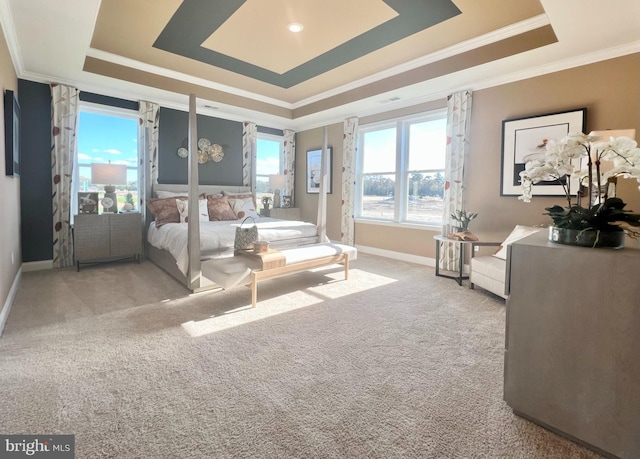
(267,157)
(107,138)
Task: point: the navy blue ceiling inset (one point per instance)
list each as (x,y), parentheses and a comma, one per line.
(196,20)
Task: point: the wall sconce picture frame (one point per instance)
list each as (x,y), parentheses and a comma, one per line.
(87,202)
(525,138)
(11,134)
(314,160)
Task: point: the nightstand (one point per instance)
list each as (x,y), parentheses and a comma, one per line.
(283,213)
(107,237)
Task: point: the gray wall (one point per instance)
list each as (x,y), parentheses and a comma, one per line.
(35,177)
(174,129)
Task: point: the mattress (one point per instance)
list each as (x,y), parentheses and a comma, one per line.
(216,238)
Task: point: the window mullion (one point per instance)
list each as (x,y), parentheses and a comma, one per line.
(401,185)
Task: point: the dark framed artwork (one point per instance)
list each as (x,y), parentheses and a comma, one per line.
(314,161)
(11,134)
(87,202)
(525,138)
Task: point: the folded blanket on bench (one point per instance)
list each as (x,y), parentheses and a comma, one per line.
(312,251)
(232,271)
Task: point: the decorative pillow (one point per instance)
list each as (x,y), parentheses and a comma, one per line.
(165,210)
(244,207)
(240,195)
(219,208)
(518,233)
(183,209)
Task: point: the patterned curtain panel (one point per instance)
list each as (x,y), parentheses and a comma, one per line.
(148,130)
(290,163)
(249,139)
(349,146)
(458,124)
(64,128)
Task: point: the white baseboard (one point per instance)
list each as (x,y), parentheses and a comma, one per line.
(37,265)
(6,307)
(398,255)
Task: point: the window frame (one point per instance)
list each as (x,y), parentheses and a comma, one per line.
(106,110)
(274,138)
(402,173)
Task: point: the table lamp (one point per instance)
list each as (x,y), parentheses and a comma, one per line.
(109,175)
(277,182)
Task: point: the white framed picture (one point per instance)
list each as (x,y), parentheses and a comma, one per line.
(87,202)
(314,161)
(526,138)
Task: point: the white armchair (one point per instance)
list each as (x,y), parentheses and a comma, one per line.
(490,271)
(487,271)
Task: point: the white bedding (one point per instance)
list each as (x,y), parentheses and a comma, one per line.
(218,237)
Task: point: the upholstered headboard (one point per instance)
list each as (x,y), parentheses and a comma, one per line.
(183,188)
(206,189)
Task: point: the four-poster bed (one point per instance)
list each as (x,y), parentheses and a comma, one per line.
(182,248)
(168,244)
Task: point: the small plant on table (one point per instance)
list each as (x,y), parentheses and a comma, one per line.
(464,218)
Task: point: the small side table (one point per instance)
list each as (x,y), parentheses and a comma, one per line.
(460,275)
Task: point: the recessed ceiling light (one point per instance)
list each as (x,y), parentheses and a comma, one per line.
(295,27)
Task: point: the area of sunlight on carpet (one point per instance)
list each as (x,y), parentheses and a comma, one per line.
(337,287)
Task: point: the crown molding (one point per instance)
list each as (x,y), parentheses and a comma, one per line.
(468,45)
(144,67)
(6,20)
(562,64)
(339,114)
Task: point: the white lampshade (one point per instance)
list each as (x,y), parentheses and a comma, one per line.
(277,182)
(108,174)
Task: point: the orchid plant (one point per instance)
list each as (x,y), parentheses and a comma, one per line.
(581,157)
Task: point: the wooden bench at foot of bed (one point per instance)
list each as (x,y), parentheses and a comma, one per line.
(250,268)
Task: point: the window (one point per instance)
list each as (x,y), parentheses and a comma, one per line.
(269,160)
(401,170)
(106,135)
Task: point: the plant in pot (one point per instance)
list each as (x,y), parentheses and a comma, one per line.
(463,218)
(604,220)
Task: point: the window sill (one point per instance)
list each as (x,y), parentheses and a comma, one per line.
(409,225)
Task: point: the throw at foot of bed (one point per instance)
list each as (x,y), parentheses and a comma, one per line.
(248,269)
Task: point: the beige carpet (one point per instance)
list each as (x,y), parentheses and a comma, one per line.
(394,363)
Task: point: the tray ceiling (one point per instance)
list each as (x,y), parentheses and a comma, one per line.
(238,56)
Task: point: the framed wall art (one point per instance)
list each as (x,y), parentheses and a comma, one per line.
(87,202)
(11,134)
(314,160)
(525,138)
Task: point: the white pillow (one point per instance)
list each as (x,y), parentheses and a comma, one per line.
(183,209)
(518,233)
(244,207)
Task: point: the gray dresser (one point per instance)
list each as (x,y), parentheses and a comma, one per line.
(572,357)
(107,237)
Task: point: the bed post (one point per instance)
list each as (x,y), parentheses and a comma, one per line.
(322,196)
(193,244)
